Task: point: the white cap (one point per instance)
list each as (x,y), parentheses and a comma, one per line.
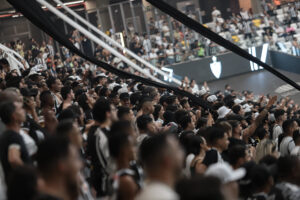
(112,85)
(212,98)
(225,173)
(238,101)
(223,111)
(202,92)
(122,90)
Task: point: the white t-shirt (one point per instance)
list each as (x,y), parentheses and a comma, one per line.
(153,56)
(286,146)
(277,131)
(170,53)
(157,191)
(166,31)
(296,151)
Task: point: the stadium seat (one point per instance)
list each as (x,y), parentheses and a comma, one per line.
(279,12)
(294,25)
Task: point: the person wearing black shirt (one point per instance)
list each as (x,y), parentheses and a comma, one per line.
(13,151)
(218,140)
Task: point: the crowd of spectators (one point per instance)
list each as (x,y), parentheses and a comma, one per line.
(71,130)
(170,42)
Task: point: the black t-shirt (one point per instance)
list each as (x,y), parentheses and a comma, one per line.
(47,197)
(7,139)
(211,157)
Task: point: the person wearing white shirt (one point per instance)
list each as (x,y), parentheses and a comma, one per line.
(287,144)
(162,158)
(153,57)
(147,44)
(296,150)
(280,117)
(215,13)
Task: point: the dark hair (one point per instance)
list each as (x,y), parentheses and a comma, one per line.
(191,143)
(236,109)
(184,121)
(285,166)
(100,108)
(122,110)
(6,111)
(201,122)
(50,152)
(214,134)
(278,113)
(65,91)
(22,184)
(82,101)
(157,109)
(261,133)
(296,136)
(116,142)
(235,153)
(64,127)
(102,92)
(142,122)
(67,114)
(123,125)
(200,188)
(151,149)
(50,81)
(287,124)
(259,177)
(44,97)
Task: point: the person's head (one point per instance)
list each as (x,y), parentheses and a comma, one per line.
(22,184)
(114,98)
(237,156)
(12,113)
(47,100)
(125,99)
(161,155)
(228,176)
(185,104)
(226,127)
(58,160)
(69,129)
(158,112)
(280,115)
(186,123)
(261,178)
(54,84)
(288,169)
(67,93)
(236,127)
(125,113)
(147,106)
(237,109)
(200,188)
(296,138)
(262,133)
(218,138)
(124,126)
(121,146)
(289,126)
(104,111)
(193,144)
(145,124)
(227,87)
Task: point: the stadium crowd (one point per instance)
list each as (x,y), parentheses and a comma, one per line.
(71,130)
(77,132)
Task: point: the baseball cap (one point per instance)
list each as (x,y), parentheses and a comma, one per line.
(212,98)
(223,111)
(225,173)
